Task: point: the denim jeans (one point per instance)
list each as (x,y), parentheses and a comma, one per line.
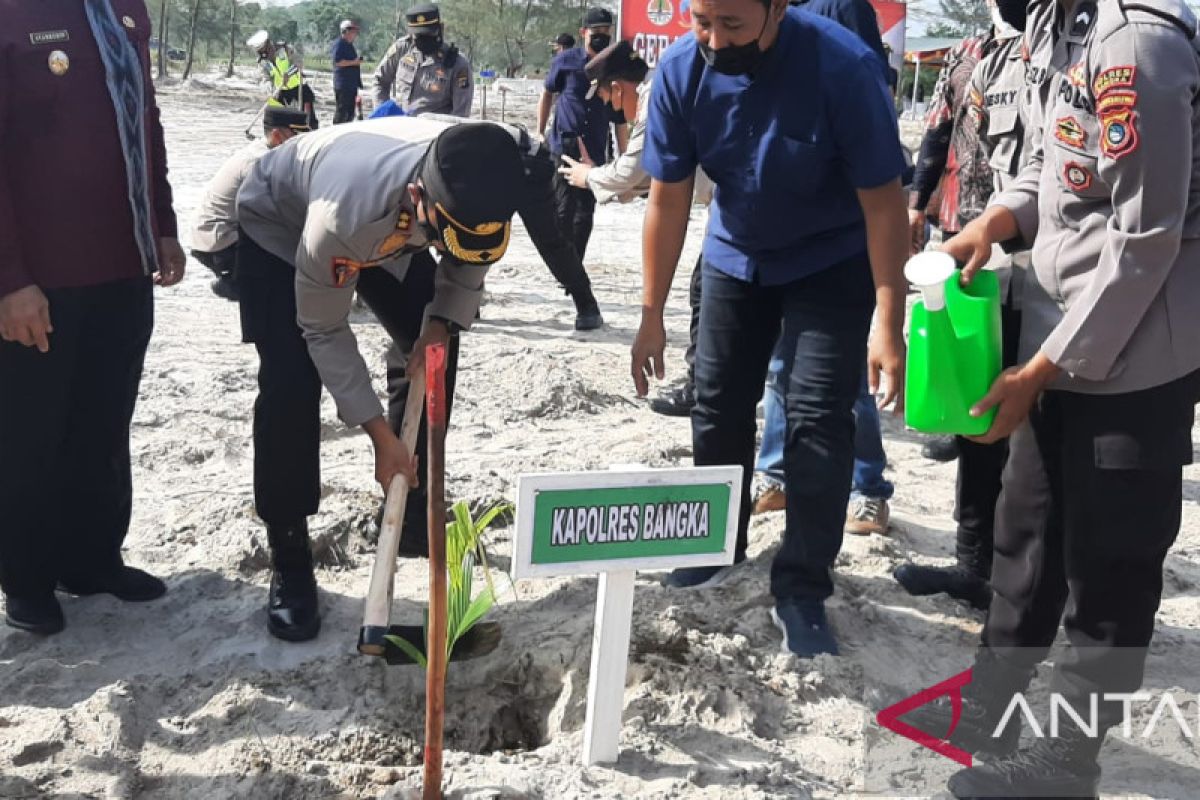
(869,458)
(824,319)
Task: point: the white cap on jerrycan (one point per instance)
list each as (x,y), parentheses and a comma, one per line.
(928,272)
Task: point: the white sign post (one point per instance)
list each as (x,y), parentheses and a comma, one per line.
(615,523)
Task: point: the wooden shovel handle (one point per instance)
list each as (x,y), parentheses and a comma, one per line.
(435,677)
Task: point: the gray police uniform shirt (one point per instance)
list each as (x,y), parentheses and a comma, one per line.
(421,83)
(1110,198)
(624,179)
(216,217)
(332,203)
(995,94)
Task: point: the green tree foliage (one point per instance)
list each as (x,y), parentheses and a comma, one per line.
(961,18)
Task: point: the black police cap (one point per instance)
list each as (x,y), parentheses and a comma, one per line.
(472,176)
(423,15)
(617,62)
(285,117)
(598,18)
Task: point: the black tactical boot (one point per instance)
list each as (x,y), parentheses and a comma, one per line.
(37,614)
(587,310)
(967,580)
(292,611)
(677,402)
(1060,767)
(940,448)
(985,699)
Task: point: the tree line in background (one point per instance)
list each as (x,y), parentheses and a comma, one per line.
(510,36)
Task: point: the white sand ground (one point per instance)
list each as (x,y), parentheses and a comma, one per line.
(189,697)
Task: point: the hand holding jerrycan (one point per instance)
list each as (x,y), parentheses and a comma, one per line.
(953,348)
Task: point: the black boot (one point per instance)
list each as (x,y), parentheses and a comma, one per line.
(587,310)
(292,611)
(985,699)
(940,448)
(967,580)
(1060,767)
(677,402)
(41,615)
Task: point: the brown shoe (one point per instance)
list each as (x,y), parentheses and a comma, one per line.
(867,515)
(771,498)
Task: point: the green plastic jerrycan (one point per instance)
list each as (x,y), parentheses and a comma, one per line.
(953,348)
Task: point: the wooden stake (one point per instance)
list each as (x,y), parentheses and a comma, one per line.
(435,675)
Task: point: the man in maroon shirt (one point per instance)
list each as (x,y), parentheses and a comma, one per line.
(86,229)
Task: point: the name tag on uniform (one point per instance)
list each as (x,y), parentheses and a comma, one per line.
(49,37)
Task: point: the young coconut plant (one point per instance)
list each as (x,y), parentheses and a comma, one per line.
(464,551)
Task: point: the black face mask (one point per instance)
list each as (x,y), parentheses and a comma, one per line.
(598,42)
(739,59)
(428,45)
(1012,12)
(617,116)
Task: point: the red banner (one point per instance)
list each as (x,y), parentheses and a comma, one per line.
(652,25)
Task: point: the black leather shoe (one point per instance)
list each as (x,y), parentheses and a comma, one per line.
(1060,768)
(128,583)
(940,448)
(293,613)
(920,580)
(588,319)
(40,615)
(675,403)
(226,288)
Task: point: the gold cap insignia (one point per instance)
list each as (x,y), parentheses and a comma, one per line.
(420,19)
(59,62)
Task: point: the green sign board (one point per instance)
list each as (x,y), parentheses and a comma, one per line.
(642,519)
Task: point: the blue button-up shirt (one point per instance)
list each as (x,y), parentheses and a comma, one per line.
(573,112)
(787,149)
(345,77)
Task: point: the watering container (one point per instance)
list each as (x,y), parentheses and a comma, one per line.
(953,349)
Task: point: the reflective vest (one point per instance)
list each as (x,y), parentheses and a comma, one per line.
(284,74)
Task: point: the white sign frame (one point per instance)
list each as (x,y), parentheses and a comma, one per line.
(528,486)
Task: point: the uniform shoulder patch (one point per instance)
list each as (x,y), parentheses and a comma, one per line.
(344,271)
(1068,131)
(1118,133)
(1121,77)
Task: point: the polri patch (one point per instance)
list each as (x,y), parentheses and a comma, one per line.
(49,37)
(1118,134)
(1116,100)
(1068,131)
(1121,77)
(1077,176)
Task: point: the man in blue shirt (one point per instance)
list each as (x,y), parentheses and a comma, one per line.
(347,73)
(789,115)
(580,127)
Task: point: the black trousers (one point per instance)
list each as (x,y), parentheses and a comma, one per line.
(1091,503)
(65,488)
(689,355)
(287,413)
(740,323)
(222,263)
(345,100)
(292,97)
(574,210)
(539,210)
(979,469)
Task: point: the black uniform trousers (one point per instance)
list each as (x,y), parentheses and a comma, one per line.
(574,209)
(345,100)
(539,211)
(287,413)
(980,466)
(1091,503)
(65,487)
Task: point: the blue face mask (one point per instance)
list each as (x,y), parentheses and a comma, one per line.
(737,59)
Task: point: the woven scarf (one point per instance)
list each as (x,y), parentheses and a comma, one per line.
(123,74)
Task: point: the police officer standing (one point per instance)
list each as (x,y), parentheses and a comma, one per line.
(354,207)
(214,237)
(422,72)
(347,72)
(581,123)
(86,231)
(1100,412)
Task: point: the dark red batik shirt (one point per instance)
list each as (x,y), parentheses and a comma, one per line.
(65,218)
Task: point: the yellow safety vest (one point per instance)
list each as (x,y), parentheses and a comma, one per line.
(284,75)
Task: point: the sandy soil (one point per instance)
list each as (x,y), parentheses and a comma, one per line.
(189,698)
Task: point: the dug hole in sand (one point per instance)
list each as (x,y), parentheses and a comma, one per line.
(189,697)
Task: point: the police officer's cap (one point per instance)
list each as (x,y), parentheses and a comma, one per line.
(285,117)
(425,15)
(598,18)
(472,176)
(347,25)
(617,62)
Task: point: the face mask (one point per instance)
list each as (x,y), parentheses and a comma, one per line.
(616,113)
(1010,12)
(428,45)
(599,41)
(738,59)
